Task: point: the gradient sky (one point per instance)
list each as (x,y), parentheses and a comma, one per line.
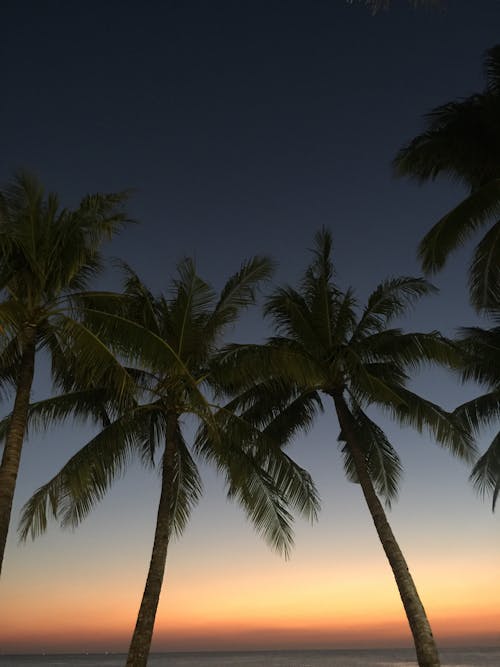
(244,127)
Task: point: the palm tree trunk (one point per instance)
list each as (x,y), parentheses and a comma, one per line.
(425,645)
(143,633)
(11,458)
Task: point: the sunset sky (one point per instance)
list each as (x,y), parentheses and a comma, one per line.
(243,127)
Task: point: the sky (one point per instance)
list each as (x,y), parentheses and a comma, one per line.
(243,128)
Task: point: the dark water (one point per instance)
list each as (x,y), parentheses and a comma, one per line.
(472,657)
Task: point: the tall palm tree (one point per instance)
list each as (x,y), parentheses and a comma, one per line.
(170,343)
(324,347)
(46,255)
(462,141)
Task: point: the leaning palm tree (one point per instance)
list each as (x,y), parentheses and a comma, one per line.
(462,141)
(46,255)
(170,344)
(324,347)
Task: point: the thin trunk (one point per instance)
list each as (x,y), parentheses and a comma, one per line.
(143,633)
(425,645)
(11,458)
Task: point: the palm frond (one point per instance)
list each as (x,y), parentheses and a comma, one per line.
(238,367)
(82,483)
(187,485)
(382,461)
(481,411)
(457,142)
(446,428)
(485,475)
(277,410)
(141,305)
(239,292)
(391,299)
(411,351)
(13,318)
(291,317)
(9,365)
(481,354)
(101,216)
(135,343)
(458,225)
(91,361)
(92,405)
(484,272)
(254,438)
(84,480)
(492,69)
(369,387)
(344,318)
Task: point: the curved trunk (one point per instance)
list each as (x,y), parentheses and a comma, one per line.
(427,653)
(143,633)
(15,436)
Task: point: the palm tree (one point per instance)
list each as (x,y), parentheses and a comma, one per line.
(323,347)
(462,141)
(170,344)
(46,255)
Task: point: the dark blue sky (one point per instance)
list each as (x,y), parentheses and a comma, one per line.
(244,126)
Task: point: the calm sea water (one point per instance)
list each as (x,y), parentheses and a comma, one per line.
(473,657)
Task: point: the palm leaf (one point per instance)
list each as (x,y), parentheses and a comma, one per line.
(84,480)
(94,365)
(255,440)
(492,69)
(486,473)
(411,350)
(187,485)
(94,404)
(458,225)
(484,272)
(389,300)
(291,317)
(446,428)
(239,292)
(481,354)
(382,462)
(481,411)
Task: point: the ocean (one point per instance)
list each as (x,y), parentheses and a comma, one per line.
(470,657)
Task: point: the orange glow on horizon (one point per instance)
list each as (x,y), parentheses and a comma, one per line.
(303,603)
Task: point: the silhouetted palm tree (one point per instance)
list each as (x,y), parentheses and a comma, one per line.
(171,343)
(46,255)
(324,347)
(462,141)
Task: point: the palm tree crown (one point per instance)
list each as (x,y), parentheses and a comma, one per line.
(170,343)
(462,141)
(46,255)
(325,347)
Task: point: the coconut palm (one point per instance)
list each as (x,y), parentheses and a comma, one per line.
(325,348)
(46,255)
(462,141)
(170,343)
